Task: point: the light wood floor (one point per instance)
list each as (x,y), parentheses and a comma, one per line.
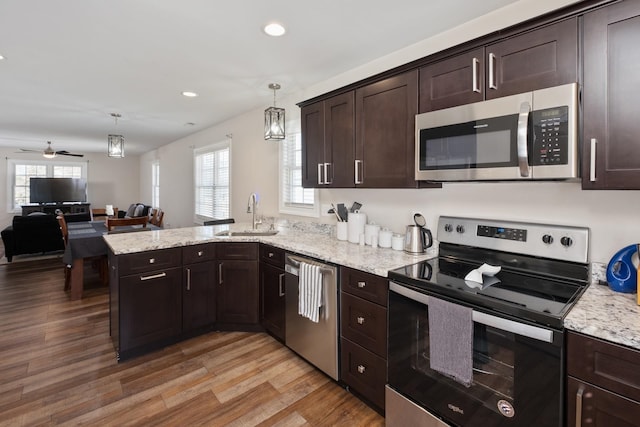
(57,366)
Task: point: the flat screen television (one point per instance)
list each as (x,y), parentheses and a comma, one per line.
(57,190)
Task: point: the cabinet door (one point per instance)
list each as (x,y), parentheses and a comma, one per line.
(237,294)
(453,81)
(312,128)
(339,143)
(596,407)
(610,93)
(385,128)
(272,285)
(363,371)
(534,60)
(198,296)
(150,307)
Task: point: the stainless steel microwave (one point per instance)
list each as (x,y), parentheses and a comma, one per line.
(531,135)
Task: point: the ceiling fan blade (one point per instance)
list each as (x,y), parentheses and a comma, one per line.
(24,150)
(66,153)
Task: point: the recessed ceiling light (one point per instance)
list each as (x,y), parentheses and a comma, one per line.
(274,29)
(189,94)
(1,57)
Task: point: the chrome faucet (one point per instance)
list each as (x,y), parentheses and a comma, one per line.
(251,207)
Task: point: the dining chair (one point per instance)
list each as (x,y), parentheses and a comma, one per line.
(65,237)
(127,222)
(158,217)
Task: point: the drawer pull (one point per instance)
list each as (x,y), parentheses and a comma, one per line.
(153,276)
(220,274)
(152,260)
(361,369)
(362,284)
(360,320)
(281,285)
(579,406)
(200,253)
(270,254)
(188,279)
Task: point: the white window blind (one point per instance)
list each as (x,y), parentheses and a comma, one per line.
(155,184)
(212,171)
(293,197)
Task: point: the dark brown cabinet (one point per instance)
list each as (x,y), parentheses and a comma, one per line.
(385,129)
(328,142)
(237,294)
(544,57)
(611,153)
(199,287)
(272,290)
(603,387)
(363,331)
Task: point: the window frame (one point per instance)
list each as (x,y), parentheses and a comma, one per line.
(50,164)
(294,209)
(200,219)
(155,184)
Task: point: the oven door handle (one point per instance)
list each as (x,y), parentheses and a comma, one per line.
(534,332)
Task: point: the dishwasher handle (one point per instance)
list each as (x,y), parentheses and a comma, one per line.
(292,265)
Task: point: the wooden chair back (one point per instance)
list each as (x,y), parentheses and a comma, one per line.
(63,228)
(120,222)
(158,217)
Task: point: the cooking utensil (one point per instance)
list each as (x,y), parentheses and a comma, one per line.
(355,207)
(342,211)
(335,211)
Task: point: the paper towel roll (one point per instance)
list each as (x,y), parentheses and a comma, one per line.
(356,223)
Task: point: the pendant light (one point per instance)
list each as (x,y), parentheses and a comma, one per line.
(115,143)
(274,118)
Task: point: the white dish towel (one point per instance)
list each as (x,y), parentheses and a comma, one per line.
(310,291)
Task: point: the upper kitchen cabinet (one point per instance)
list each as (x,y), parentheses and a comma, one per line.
(544,57)
(611,154)
(385,129)
(328,142)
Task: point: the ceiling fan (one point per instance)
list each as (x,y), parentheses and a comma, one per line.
(50,153)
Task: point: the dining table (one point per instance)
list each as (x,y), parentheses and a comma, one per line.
(85,242)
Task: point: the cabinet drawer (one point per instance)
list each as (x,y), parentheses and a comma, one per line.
(233,250)
(365,285)
(364,323)
(149,261)
(363,371)
(198,253)
(272,255)
(605,364)
(600,408)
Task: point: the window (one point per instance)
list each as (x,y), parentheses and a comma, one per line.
(19,172)
(212,189)
(155,184)
(294,199)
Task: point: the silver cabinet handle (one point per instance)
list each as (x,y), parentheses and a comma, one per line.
(523,127)
(152,260)
(474,64)
(362,284)
(200,253)
(361,369)
(360,320)
(188,279)
(280,285)
(327,180)
(579,406)
(357,171)
(592,163)
(220,274)
(153,276)
(492,71)
(320,181)
(270,255)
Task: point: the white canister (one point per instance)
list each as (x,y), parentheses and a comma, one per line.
(341,230)
(384,238)
(370,231)
(397,242)
(356,225)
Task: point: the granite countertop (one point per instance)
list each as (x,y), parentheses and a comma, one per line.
(317,243)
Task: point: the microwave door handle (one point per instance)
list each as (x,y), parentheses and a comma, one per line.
(523,151)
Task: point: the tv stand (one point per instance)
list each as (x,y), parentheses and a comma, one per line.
(50,208)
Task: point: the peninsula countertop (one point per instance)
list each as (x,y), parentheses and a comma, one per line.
(294,238)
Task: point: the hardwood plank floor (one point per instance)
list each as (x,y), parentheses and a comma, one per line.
(58,367)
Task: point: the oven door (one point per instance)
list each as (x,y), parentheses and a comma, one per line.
(517,368)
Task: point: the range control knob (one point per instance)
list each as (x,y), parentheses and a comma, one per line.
(460,229)
(548,239)
(448,228)
(566,241)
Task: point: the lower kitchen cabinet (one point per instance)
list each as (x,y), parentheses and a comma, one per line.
(603,387)
(237,294)
(199,287)
(272,290)
(363,331)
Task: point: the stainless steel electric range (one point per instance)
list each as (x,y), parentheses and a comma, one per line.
(515,335)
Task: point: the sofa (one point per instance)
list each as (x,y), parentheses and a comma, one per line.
(36,233)
(135,210)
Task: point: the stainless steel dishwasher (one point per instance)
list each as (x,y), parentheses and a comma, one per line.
(315,342)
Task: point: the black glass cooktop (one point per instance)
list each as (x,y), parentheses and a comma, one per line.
(527,288)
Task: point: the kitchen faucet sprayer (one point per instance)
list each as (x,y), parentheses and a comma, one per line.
(251,208)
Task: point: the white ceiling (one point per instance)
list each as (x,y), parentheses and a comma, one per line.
(71,63)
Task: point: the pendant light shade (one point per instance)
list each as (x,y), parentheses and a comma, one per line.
(115,143)
(274,118)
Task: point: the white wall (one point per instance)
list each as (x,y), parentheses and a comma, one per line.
(612,216)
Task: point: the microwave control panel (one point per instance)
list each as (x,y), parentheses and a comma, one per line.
(550,136)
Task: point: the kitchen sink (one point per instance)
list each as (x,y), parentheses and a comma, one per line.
(248,233)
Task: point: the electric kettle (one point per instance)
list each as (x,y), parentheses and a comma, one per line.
(622,270)
(417,238)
